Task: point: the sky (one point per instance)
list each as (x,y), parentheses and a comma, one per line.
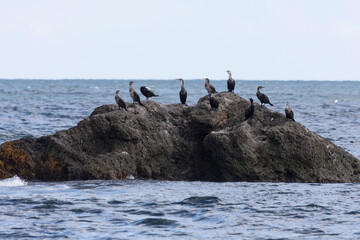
(191,39)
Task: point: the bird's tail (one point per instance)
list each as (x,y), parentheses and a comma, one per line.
(271,104)
(155,95)
(293,120)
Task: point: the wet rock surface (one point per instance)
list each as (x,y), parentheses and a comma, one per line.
(179,142)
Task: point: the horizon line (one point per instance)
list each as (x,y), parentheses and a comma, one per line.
(167,79)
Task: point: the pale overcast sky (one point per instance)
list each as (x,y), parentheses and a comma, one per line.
(167,39)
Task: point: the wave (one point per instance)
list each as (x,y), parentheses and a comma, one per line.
(156,222)
(201,201)
(15,181)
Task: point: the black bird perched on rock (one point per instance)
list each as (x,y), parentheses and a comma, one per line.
(183,92)
(250,110)
(120,102)
(230,82)
(133,94)
(262,97)
(147,92)
(213,102)
(288,112)
(209,88)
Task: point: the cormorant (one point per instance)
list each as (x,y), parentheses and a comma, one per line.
(288,112)
(213,102)
(262,97)
(183,92)
(120,102)
(230,82)
(209,88)
(147,92)
(250,110)
(133,94)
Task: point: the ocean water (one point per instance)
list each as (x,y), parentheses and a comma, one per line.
(137,209)
(146,209)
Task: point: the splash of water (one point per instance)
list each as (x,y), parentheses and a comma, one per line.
(15,181)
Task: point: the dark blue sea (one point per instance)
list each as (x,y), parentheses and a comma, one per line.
(147,209)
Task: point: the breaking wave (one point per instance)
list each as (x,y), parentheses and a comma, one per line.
(15,181)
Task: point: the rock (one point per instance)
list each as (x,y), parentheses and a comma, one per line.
(179,142)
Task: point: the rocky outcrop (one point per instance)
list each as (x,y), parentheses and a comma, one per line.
(178,142)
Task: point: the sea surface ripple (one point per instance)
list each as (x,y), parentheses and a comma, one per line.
(146,209)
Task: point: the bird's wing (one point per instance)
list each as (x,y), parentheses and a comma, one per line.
(136,96)
(291,114)
(266,99)
(149,89)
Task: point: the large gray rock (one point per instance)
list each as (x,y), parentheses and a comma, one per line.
(178,142)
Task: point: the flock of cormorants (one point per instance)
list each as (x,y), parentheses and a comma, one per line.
(147,92)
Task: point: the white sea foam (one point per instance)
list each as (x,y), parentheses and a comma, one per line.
(15,181)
